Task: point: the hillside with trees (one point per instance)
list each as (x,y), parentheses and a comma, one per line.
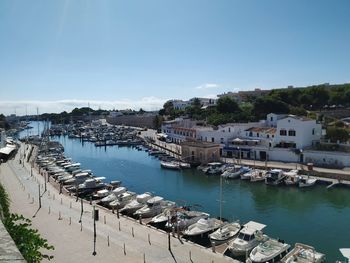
(297,101)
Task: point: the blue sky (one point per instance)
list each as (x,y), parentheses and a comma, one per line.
(130,54)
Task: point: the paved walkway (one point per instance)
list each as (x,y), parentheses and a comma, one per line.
(58,221)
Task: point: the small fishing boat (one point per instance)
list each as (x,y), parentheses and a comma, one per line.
(258,175)
(274,177)
(203,226)
(136,204)
(225,233)
(305,254)
(170,165)
(271,250)
(307,182)
(292,177)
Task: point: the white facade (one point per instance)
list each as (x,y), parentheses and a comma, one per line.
(225,133)
(295,132)
(180,104)
(205,102)
(179,130)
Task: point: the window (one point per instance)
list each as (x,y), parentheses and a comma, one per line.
(250,134)
(268,136)
(212,139)
(257,134)
(222,140)
(229,129)
(271,118)
(283,132)
(313,131)
(291,133)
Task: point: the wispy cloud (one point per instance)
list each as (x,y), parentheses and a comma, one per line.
(208,86)
(30,106)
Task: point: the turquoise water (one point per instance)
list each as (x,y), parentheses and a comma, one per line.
(317,216)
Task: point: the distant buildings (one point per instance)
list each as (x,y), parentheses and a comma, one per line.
(181,104)
(279,137)
(243,96)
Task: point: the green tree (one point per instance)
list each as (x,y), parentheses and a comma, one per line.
(227,105)
(266,105)
(335,134)
(28,240)
(157,122)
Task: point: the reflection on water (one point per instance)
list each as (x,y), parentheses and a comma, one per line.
(316,216)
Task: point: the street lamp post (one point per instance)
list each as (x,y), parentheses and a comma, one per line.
(94,252)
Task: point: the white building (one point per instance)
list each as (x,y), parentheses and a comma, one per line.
(224,133)
(180,104)
(179,130)
(205,102)
(297,132)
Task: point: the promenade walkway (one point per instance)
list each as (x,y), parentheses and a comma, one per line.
(118,240)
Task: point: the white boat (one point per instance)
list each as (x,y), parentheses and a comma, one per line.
(136,204)
(274,177)
(185,165)
(203,226)
(91,185)
(307,182)
(123,199)
(100,194)
(153,207)
(164,216)
(292,177)
(246,173)
(233,172)
(225,233)
(170,165)
(258,175)
(304,254)
(271,250)
(72,167)
(77,179)
(214,168)
(249,237)
(183,219)
(113,195)
(346,254)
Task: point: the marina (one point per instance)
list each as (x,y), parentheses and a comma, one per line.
(247,201)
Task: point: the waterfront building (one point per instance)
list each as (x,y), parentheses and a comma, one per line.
(180,130)
(196,152)
(224,133)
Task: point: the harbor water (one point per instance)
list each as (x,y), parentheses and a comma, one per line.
(316,216)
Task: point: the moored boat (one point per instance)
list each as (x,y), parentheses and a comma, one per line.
(292,177)
(249,237)
(305,254)
(170,165)
(225,233)
(271,250)
(307,182)
(203,226)
(274,177)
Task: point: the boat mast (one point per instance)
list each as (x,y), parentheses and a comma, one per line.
(37,119)
(220,200)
